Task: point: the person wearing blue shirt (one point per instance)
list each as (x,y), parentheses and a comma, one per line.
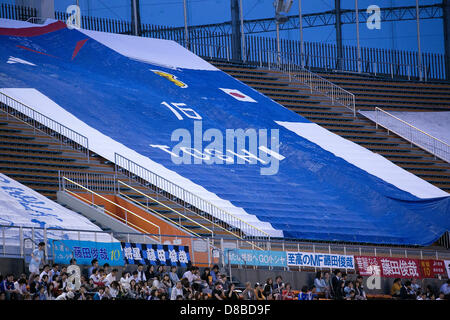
(214,273)
(37,256)
(305,294)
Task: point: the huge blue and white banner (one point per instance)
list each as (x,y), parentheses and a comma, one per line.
(85,251)
(319,260)
(160,106)
(256,258)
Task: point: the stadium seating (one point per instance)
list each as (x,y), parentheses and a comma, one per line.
(336,180)
(370,92)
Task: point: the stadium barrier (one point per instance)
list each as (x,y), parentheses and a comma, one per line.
(44,124)
(19,242)
(407,131)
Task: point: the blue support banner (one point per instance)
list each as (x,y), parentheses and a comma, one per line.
(85,251)
(320,260)
(156,254)
(256,258)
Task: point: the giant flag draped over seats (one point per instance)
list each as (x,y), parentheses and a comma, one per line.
(157,104)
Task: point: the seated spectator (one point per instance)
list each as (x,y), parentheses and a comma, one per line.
(65,296)
(150,273)
(125,280)
(215,273)
(177,291)
(189,275)
(259,292)
(106,268)
(217,293)
(94,265)
(114,289)
(100,294)
(396,287)
(445,289)
(132,290)
(34,286)
(7,286)
(304,294)
(20,287)
(278,288)
(268,287)
(360,294)
(45,271)
(415,286)
(166,284)
(406,292)
(249,293)
(287,293)
(50,293)
(54,272)
(441,296)
(173,274)
(348,288)
(111,277)
(141,273)
(232,294)
(160,271)
(351,295)
(206,276)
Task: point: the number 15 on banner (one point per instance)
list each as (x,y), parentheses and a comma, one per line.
(181,107)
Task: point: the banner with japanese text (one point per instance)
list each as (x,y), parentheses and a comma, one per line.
(388,267)
(255,258)
(432,268)
(156,254)
(85,251)
(319,260)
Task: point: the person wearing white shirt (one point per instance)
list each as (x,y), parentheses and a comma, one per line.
(177,290)
(125,280)
(111,277)
(189,275)
(141,273)
(45,272)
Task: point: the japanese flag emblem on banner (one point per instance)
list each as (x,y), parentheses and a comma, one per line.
(238,95)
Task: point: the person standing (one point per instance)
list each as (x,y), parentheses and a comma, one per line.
(37,257)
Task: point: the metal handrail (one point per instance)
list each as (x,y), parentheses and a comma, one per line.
(446,146)
(111,183)
(111,202)
(312,80)
(176,212)
(160,215)
(37,120)
(123,163)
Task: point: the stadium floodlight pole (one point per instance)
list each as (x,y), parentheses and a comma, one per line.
(278,43)
(135,18)
(357,36)
(418,42)
(186,34)
(244,58)
(300,20)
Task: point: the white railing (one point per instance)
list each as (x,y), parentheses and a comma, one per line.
(67,185)
(186,198)
(407,131)
(284,63)
(44,124)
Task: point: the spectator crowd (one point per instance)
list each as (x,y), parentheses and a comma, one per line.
(56,282)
